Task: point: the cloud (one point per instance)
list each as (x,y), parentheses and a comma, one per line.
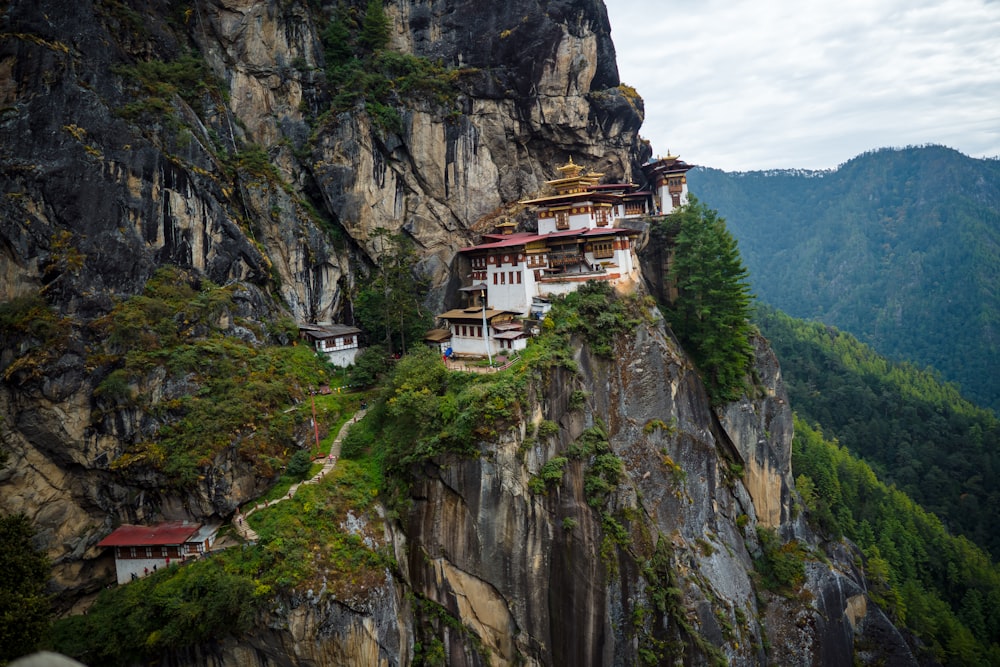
(740,85)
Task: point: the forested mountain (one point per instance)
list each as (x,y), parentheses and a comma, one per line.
(915,431)
(892,458)
(899,247)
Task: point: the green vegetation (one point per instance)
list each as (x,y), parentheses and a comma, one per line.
(915,431)
(370,366)
(423,410)
(301,547)
(360,68)
(160,82)
(24,607)
(656,647)
(390,304)
(229,393)
(551,474)
(594,313)
(874,249)
(29,325)
(172,608)
(710,312)
(780,566)
(944,588)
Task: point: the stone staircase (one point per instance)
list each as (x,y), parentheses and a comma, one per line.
(240,525)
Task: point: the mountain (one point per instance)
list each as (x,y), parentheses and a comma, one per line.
(184,183)
(916,432)
(899,247)
(935,457)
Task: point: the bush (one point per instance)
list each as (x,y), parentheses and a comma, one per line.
(780,567)
(370,366)
(299,465)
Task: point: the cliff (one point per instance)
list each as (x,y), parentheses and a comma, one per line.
(209,136)
(122,152)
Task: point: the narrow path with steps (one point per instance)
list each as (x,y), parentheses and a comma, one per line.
(240,524)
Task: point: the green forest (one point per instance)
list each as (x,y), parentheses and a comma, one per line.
(943,588)
(899,247)
(894,459)
(915,431)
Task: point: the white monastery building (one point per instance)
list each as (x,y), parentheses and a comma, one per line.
(579,239)
(140,550)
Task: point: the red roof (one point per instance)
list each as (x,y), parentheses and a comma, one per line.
(605,231)
(167,533)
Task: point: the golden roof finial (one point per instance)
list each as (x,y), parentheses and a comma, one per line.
(570,170)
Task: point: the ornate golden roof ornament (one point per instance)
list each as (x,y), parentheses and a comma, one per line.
(570,170)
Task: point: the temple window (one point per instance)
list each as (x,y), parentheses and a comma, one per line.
(603,249)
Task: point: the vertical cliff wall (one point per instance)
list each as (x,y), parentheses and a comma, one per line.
(659,568)
(200,134)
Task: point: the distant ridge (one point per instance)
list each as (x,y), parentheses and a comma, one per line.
(900,247)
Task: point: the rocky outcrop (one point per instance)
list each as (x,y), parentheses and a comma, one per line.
(661,570)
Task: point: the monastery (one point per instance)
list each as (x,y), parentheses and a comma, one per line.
(582,236)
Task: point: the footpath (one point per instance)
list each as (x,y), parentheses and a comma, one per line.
(240,524)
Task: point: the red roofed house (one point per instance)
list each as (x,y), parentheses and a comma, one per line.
(580,238)
(141,549)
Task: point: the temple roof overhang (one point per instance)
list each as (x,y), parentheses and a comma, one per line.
(474,314)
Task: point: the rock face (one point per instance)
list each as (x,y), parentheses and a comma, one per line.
(545,579)
(99,157)
(231,164)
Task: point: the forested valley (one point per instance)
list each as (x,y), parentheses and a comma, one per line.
(899,247)
(896,460)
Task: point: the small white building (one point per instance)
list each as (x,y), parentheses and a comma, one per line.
(502,332)
(140,550)
(440,339)
(340,343)
(668,176)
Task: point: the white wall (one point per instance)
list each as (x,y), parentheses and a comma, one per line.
(343,357)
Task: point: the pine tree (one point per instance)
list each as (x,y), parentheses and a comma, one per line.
(374,26)
(710,312)
(24,607)
(391,303)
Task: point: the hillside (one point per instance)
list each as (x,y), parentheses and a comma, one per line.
(915,431)
(899,247)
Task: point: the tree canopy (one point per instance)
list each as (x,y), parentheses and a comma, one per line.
(710,308)
(24,607)
(914,430)
(390,306)
(899,247)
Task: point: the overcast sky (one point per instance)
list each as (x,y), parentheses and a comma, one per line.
(742,85)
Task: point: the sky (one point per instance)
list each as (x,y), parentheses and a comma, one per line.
(809,84)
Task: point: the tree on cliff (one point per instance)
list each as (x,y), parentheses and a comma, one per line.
(390,306)
(711,308)
(24,607)
(374,26)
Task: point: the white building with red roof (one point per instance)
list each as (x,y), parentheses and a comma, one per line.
(580,238)
(140,550)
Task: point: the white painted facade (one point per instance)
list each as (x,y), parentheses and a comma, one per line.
(339,343)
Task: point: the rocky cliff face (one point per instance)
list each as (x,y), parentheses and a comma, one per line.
(664,565)
(113,167)
(137,134)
